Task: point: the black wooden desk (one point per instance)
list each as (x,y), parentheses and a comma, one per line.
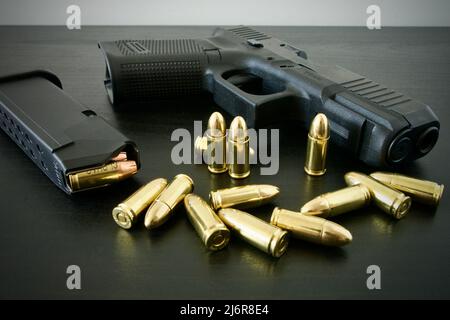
(43,230)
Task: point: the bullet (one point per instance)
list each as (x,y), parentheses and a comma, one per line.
(101,176)
(127,212)
(216,142)
(243,197)
(316,150)
(167,200)
(257,232)
(213,232)
(334,203)
(387,199)
(200,146)
(313,229)
(238,142)
(427,192)
(122,156)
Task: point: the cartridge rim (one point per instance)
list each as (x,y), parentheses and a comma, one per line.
(182,175)
(123,216)
(438,194)
(279,242)
(216,170)
(73,181)
(315,172)
(401,206)
(274,216)
(235,175)
(214,198)
(217,239)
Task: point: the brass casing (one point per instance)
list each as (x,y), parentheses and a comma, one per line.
(239,149)
(334,203)
(127,212)
(316,150)
(257,232)
(243,197)
(387,199)
(101,176)
(427,192)
(213,232)
(167,200)
(313,229)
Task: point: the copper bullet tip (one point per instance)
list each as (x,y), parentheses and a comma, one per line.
(122,156)
(127,167)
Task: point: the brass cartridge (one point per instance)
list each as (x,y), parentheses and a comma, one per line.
(216,142)
(427,192)
(257,232)
(127,212)
(313,229)
(334,203)
(243,197)
(316,150)
(387,199)
(101,176)
(168,199)
(213,232)
(239,149)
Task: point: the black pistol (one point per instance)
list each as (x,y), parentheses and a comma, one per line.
(266,80)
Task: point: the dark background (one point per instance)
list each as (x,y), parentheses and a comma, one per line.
(44,230)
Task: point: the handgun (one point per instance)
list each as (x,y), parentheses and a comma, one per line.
(267,80)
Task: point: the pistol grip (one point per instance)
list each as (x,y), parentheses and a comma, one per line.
(142,70)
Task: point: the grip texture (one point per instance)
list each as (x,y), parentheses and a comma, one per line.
(159,68)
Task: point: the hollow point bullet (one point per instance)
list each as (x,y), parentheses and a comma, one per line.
(122,156)
(316,150)
(126,213)
(160,210)
(102,176)
(257,232)
(387,199)
(313,229)
(334,203)
(427,192)
(243,197)
(239,149)
(213,232)
(216,142)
